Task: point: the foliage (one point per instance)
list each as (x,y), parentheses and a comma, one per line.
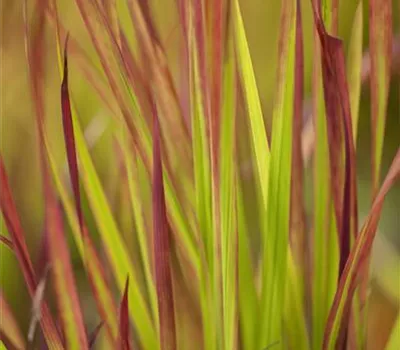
(193,279)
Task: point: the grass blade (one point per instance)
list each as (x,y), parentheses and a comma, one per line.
(200,110)
(92,263)
(380,37)
(354,67)
(132,164)
(94,267)
(94,334)
(69,138)
(325,257)
(162,250)
(258,133)
(115,248)
(297,287)
(358,256)
(124,339)
(339,122)
(276,233)
(227,195)
(295,317)
(297,213)
(247,294)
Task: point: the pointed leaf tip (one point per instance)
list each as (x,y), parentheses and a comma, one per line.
(161,246)
(124,341)
(69,138)
(95,333)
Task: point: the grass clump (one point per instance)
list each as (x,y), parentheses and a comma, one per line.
(173,266)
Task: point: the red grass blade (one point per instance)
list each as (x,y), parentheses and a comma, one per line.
(357,258)
(339,133)
(93,336)
(70,139)
(162,250)
(124,340)
(14,227)
(94,266)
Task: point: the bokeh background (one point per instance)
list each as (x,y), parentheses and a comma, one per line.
(19,144)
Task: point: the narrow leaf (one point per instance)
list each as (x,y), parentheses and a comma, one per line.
(199,101)
(124,339)
(380,42)
(227,195)
(94,335)
(339,130)
(297,214)
(258,133)
(325,257)
(354,67)
(162,249)
(69,138)
(132,164)
(92,263)
(275,234)
(297,286)
(340,136)
(247,294)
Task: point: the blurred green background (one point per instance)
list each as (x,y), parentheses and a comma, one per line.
(19,146)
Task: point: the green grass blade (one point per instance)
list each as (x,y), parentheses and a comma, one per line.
(162,251)
(298,267)
(86,250)
(203,194)
(295,321)
(325,256)
(247,294)
(276,236)
(354,65)
(132,164)
(380,38)
(227,203)
(115,248)
(258,133)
